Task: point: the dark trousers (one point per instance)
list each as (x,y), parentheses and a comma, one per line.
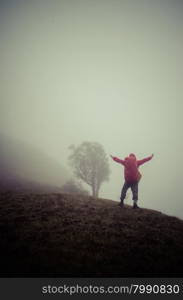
(134,188)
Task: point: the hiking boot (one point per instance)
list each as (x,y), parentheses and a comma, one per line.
(121,204)
(135,206)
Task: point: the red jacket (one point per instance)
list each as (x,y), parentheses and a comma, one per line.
(131,164)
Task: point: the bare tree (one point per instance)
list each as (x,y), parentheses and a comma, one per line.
(90,164)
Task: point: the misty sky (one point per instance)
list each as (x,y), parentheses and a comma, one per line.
(108,71)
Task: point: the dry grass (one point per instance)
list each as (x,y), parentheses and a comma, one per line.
(60,235)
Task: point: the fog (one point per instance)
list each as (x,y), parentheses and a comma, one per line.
(108,71)
(26,168)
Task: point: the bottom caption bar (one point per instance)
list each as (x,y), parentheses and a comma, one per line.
(40,288)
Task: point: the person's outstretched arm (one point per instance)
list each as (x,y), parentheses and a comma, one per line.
(116,159)
(142,161)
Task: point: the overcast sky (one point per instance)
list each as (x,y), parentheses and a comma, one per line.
(108,71)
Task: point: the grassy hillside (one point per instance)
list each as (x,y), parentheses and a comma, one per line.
(59,235)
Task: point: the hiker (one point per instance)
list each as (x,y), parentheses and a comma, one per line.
(132,176)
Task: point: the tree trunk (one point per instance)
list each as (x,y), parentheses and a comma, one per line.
(95,191)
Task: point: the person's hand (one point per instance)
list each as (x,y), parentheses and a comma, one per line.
(152,155)
(111,156)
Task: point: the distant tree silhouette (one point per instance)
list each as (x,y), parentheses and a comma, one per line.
(73,187)
(90,164)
